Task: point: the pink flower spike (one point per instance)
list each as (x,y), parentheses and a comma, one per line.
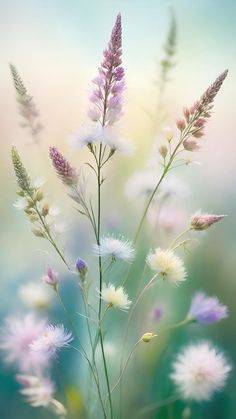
(106,99)
(62,167)
(201,221)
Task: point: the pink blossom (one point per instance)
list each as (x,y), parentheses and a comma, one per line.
(16,338)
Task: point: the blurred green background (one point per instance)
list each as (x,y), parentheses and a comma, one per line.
(57,46)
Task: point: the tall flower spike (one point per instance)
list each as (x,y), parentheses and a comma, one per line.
(106,98)
(201,221)
(22,176)
(63,168)
(196,116)
(27,108)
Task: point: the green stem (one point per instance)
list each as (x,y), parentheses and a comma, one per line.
(99,183)
(156,405)
(95,378)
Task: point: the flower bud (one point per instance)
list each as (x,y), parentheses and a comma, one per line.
(163,151)
(39,195)
(45,210)
(200,221)
(180,123)
(147,337)
(38,232)
(81,267)
(51,278)
(168,133)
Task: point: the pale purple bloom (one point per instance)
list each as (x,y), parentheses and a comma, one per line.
(63,168)
(106,99)
(16,338)
(206,310)
(52,339)
(51,277)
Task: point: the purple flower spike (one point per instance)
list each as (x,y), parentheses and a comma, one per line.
(63,168)
(106,99)
(206,310)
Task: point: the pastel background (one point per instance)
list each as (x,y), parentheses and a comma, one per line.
(57,46)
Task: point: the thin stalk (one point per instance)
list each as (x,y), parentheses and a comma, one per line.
(171,246)
(95,378)
(99,183)
(156,405)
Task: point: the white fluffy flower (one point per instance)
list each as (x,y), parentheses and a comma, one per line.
(95,133)
(53,339)
(141,183)
(199,371)
(86,135)
(115,297)
(167,265)
(115,248)
(35,295)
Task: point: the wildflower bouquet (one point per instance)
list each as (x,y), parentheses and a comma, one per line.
(32,344)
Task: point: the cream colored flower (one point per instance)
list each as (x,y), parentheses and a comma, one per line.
(115,297)
(167,265)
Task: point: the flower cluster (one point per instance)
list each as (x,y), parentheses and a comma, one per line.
(31,342)
(31,200)
(196,116)
(27,108)
(106,99)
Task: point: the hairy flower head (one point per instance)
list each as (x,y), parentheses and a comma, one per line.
(167,265)
(206,310)
(199,371)
(115,297)
(52,339)
(115,248)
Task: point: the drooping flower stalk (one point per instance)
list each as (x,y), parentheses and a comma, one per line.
(27,108)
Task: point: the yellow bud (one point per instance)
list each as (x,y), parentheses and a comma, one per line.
(163,151)
(147,337)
